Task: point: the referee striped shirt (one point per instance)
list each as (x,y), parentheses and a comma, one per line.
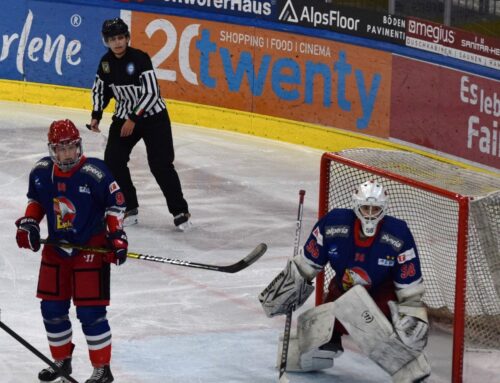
(131,81)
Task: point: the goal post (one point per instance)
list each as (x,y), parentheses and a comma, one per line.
(454,215)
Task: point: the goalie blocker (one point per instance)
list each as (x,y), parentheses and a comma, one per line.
(290,288)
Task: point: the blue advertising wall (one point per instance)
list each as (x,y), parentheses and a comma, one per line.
(58,42)
(52,43)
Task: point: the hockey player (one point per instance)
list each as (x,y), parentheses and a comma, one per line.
(126,74)
(85,206)
(364,247)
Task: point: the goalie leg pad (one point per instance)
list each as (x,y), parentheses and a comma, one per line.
(372,331)
(315,327)
(312,360)
(414,371)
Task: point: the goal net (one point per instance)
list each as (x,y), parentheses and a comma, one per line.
(454,215)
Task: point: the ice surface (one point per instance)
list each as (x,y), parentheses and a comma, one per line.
(169,323)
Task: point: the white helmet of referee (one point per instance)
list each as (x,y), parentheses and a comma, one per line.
(370,205)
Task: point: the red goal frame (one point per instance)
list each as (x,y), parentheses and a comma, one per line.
(461,238)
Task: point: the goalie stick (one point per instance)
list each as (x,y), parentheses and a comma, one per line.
(26,344)
(254,255)
(288,321)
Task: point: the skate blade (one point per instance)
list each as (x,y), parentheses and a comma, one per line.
(57,380)
(186,226)
(129,221)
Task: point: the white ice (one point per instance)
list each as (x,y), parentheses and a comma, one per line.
(170,323)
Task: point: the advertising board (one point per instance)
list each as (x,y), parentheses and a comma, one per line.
(452,42)
(268,72)
(352,21)
(246,8)
(55,46)
(446,110)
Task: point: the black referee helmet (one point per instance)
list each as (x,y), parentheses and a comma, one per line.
(114,27)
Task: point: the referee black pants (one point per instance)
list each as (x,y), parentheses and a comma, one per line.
(156,132)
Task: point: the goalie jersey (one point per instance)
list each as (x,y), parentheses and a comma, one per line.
(390,254)
(77,201)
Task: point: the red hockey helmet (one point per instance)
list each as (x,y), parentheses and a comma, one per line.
(63,135)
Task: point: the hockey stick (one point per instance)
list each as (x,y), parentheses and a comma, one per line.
(21,340)
(233,268)
(288,321)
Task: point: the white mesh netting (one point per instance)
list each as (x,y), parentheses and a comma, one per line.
(433,217)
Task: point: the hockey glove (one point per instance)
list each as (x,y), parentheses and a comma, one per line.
(28,233)
(288,289)
(119,244)
(411,330)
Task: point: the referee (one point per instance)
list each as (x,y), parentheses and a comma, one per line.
(126,74)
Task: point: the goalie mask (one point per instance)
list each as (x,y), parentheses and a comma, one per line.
(65,144)
(369,205)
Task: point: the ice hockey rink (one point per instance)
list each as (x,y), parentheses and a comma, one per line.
(172,324)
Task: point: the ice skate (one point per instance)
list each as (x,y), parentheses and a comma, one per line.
(182,222)
(131,217)
(101,375)
(50,375)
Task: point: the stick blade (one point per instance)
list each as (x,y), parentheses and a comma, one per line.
(253,256)
(256,253)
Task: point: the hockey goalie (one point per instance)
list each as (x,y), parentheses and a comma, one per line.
(375,296)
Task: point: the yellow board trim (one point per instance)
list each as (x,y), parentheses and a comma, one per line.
(315,136)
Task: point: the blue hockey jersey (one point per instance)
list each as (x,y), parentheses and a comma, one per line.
(75,202)
(390,254)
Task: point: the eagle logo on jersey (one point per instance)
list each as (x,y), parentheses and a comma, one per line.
(355,276)
(65,213)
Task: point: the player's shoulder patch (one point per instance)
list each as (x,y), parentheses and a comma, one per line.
(391,240)
(44,163)
(406,256)
(332,231)
(93,170)
(105,67)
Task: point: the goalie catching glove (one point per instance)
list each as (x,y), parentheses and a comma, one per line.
(409,317)
(289,289)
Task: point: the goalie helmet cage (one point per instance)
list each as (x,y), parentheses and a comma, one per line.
(454,215)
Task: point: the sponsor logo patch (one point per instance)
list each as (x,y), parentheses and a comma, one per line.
(319,237)
(42,164)
(386,262)
(337,231)
(130,68)
(406,256)
(333,251)
(394,242)
(113,186)
(84,189)
(93,171)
